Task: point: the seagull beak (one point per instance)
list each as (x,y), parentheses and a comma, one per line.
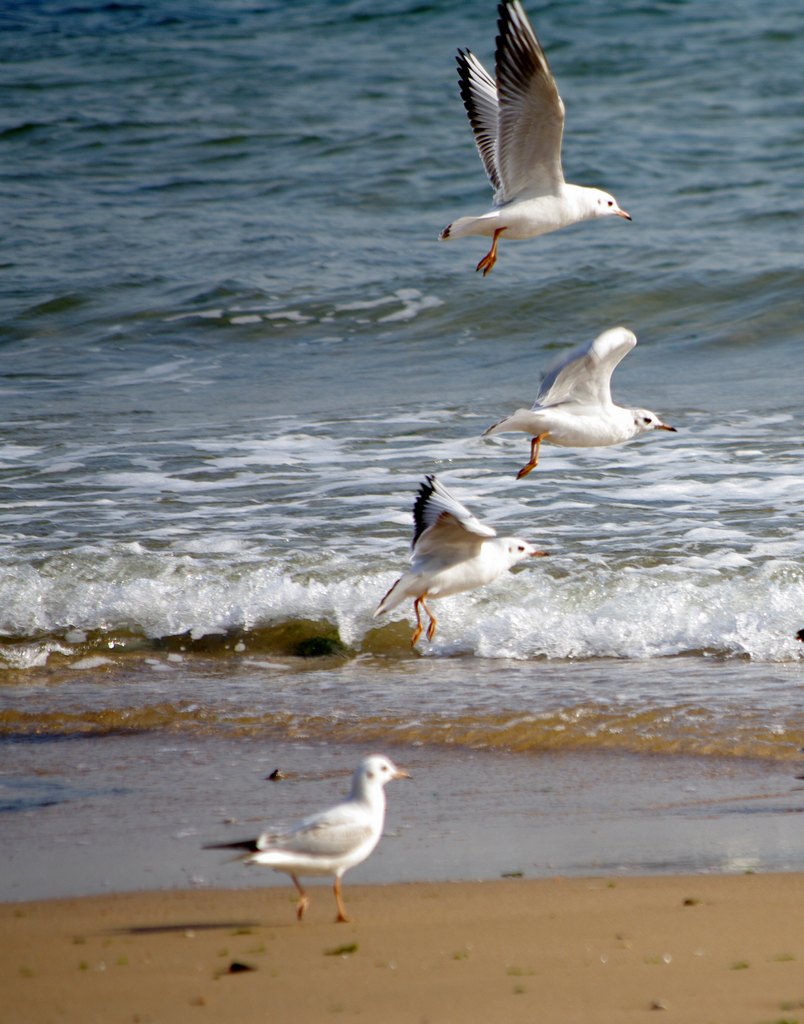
(539,554)
(624,215)
(666,426)
(400,773)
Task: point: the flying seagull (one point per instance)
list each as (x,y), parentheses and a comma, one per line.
(574,407)
(451,551)
(518,123)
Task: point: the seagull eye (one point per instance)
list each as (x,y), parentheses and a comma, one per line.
(646,419)
(611,202)
(520,548)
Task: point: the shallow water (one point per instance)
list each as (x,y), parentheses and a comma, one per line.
(690,706)
(137,812)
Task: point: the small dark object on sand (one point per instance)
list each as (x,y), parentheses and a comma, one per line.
(238,967)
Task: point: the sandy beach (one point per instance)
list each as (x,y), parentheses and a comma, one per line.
(694,949)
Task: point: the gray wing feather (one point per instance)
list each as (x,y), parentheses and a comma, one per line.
(329,833)
(441,521)
(583,375)
(531,112)
(479,95)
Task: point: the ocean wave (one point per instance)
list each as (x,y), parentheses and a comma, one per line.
(719,606)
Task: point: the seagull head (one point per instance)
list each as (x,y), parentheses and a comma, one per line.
(604,205)
(644,420)
(375,772)
(518,550)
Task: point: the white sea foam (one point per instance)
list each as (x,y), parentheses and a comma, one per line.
(654,552)
(294,316)
(413,305)
(410,300)
(18,452)
(733,611)
(93,661)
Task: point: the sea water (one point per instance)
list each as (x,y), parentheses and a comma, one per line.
(232,346)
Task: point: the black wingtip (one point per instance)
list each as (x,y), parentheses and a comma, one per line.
(503,17)
(426,488)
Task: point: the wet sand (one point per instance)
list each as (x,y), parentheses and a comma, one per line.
(686,949)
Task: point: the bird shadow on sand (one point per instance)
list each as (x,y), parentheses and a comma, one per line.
(186,926)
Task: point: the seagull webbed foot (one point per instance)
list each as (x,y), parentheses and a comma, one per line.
(431,628)
(490,258)
(342,917)
(417,632)
(304,902)
(535,444)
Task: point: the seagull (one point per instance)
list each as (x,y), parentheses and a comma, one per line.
(331,841)
(574,407)
(518,122)
(451,551)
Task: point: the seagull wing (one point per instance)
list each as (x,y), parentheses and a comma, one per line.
(442,522)
(583,375)
(531,112)
(479,95)
(329,833)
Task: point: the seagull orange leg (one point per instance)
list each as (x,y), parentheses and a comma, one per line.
(490,258)
(342,917)
(417,632)
(535,444)
(431,629)
(303,903)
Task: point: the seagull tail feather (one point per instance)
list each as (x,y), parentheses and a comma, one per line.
(499,427)
(522,420)
(390,600)
(483,225)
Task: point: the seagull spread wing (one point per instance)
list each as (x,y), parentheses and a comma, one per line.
(531,112)
(583,376)
(479,95)
(441,521)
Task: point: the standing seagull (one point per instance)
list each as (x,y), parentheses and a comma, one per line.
(574,407)
(329,842)
(518,123)
(451,551)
